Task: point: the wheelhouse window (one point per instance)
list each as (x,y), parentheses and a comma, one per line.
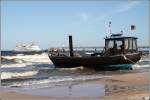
(126,46)
(114,44)
(119,44)
(134,44)
(130,44)
(109,44)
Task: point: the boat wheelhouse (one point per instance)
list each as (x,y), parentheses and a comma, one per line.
(118,44)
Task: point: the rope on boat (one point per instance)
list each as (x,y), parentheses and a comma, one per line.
(128,59)
(135,64)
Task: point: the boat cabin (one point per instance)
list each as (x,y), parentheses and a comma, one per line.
(120,44)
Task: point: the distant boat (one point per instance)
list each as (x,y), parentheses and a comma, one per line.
(27,47)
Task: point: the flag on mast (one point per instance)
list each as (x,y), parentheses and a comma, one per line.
(133,27)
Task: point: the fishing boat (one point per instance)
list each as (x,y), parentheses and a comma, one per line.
(118,50)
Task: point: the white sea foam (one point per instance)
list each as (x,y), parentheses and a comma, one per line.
(23,66)
(52,81)
(145,58)
(18,65)
(144,66)
(137,66)
(26,61)
(31,58)
(15,75)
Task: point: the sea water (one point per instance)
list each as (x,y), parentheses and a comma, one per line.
(35,72)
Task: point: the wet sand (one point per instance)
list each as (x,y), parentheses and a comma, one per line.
(128,86)
(131,86)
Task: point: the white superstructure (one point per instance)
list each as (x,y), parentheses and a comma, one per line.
(27,47)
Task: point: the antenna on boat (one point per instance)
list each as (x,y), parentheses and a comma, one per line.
(110,27)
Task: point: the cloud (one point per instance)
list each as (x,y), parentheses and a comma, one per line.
(84,16)
(120,9)
(128,6)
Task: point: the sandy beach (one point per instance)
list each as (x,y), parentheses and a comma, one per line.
(128,86)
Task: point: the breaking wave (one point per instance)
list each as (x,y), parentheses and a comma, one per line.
(55,81)
(17,75)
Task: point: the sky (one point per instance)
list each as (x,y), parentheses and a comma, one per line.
(48,23)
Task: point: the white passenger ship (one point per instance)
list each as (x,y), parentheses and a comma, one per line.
(27,47)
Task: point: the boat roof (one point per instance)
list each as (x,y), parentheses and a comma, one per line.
(118,37)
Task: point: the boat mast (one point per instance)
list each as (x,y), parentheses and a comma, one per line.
(70,46)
